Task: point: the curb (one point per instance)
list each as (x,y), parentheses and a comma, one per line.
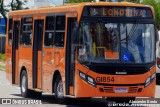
(2,70)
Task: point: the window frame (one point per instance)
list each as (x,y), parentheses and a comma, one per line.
(55,31)
(49,31)
(60,31)
(10,32)
(25,32)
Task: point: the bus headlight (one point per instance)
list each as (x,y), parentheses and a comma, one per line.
(150,79)
(87,78)
(91,81)
(82,75)
(153,76)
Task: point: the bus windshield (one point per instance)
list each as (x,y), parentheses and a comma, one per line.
(102,42)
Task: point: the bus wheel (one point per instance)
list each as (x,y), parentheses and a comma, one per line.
(25,92)
(58,89)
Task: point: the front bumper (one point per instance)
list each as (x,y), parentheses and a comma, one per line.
(135,85)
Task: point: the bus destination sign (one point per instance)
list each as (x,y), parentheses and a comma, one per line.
(138,12)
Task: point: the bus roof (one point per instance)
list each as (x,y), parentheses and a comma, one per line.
(72,7)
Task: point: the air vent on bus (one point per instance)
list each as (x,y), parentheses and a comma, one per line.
(133,89)
(108,89)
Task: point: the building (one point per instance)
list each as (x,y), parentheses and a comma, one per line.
(2,35)
(2,43)
(2,26)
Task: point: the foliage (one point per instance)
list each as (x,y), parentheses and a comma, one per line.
(2,67)
(156,5)
(14,5)
(3,10)
(17,4)
(135,1)
(77,1)
(2,57)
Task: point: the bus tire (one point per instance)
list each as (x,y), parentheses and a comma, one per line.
(58,89)
(25,92)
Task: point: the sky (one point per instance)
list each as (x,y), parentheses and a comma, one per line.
(31,3)
(34,4)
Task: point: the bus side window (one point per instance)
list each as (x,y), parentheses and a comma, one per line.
(60,29)
(26,36)
(49,31)
(10,32)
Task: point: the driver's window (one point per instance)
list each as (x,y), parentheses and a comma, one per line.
(81,46)
(111,41)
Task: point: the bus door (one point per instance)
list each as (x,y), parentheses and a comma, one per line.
(37,53)
(15,62)
(70,55)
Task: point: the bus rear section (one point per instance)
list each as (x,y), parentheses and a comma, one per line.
(116,52)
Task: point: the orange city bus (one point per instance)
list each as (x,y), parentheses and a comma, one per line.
(83,50)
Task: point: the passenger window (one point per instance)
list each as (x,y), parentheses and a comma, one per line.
(26,36)
(49,39)
(59,39)
(10,32)
(60,22)
(50,21)
(60,29)
(49,32)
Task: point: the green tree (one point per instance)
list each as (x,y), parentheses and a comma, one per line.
(77,1)
(14,5)
(156,5)
(17,4)
(135,1)
(3,10)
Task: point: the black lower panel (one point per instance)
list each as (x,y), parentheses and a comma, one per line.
(114,69)
(14,48)
(69,68)
(37,46)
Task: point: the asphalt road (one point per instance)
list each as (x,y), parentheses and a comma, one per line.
(10,91)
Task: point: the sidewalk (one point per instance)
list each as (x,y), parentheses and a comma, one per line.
(2,64)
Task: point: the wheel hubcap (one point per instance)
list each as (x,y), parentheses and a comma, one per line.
(23,84)
(60,90)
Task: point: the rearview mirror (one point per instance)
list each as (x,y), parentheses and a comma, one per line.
(157,36)
(158,62)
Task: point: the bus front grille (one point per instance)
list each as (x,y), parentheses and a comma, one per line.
(133,89)
(108,89)
(130,89)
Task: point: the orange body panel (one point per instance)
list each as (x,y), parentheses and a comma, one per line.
(9,64)
(17,63)
(39,79)
(47,69)
(25,60)
(53,59)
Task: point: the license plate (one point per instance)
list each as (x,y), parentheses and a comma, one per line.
(121,90)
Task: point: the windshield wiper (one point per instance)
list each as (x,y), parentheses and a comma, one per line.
(130,35)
